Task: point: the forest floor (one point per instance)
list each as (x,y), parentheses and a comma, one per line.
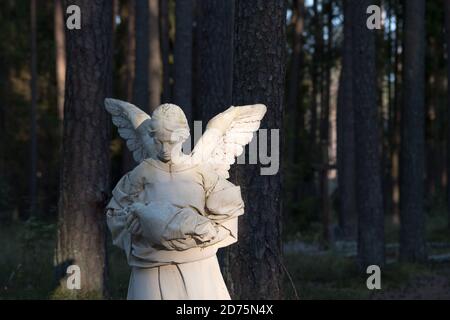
(26,272)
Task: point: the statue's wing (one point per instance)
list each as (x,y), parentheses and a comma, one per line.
(226,136)
(134,128)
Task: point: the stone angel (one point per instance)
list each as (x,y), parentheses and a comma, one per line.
(173,211)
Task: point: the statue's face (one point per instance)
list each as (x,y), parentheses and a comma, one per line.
(168,145)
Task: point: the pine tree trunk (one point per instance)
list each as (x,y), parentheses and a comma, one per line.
(215,57)
(295,74)
(155,71)
(60,49)
(141,78)
(255,264)
(369,197)
(183,56)
(412,164)
(85,169)
(325,130)
(33,113)
(346,135)
(447,37)
(128,162)
(165,49)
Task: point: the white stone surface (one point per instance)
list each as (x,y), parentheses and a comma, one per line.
(173,211)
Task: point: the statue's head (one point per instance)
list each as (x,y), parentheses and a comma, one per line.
(169,129)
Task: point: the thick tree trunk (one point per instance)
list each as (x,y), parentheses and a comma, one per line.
(60,53)
(447,37)
(369,197)
(255,262)
(215,57)
(346,135)
(33,113)
(184,12)
(412,165)
(214,67)
(141,78)
(155,66)
(85,169)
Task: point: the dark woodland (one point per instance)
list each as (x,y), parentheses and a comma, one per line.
(363,117)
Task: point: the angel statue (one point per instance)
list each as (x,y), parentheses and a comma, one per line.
(173,211)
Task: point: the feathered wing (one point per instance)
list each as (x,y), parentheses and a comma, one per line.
(134,126)
(226,136)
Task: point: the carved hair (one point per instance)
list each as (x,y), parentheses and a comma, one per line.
(170,117)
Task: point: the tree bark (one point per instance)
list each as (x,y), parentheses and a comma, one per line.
(295,74)
(155,65)
(85,160)
(60,53)
(447,37)
(255,262)
(369,199)
(346,135)
(141,78)
(325,129)
(412,165)
(215,57)
(128,162)
(165,49)
(33,113)
(183,56)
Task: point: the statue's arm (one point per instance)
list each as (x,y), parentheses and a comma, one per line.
(124,195)
(224,204)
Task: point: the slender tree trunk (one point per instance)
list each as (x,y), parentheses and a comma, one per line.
(141,79)
(369,197)
(346,135)
(215,56)
(259,76)
(295,120)
(447,37)
(184,12)
(316,78)
(85,169)
(395,142)
(294,81)
(165,48)
(60,53)
(325,130)
(33,123)
(127,158)
(155,65)
(412,217)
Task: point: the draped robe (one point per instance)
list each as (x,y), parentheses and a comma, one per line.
(188,212)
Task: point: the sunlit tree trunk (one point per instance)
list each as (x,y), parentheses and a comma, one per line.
(60,53)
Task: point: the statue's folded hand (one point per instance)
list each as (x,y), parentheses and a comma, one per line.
(133,224)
